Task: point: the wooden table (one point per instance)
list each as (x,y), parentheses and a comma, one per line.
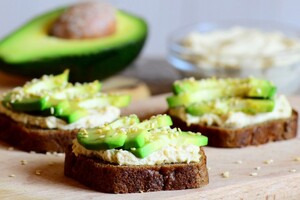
(270,171)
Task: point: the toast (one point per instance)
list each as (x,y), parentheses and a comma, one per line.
(273,130)
(30,138)
(109,178)
(232,112)
(44,114)
(129,155)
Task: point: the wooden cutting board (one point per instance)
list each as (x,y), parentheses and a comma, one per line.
(270,171)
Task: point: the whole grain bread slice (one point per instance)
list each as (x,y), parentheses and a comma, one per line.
(274,130)
(29,138)
(109,178)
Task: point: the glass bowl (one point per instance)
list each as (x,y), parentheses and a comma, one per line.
(270,60)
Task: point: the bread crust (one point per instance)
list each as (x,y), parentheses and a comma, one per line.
(29,138)
(274,130)
(109,178)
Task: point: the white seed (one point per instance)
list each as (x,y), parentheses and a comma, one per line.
(297,159)
(32,152)
(292,170)
(239,162)
(226,174)
(270,161)
(257,168)
(24,162)
(253,174)
(38,172)
(10,148)
(12,175)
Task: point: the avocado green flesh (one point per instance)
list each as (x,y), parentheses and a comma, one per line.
(106,137)
(140,138)
(192,138)
(136,139)
(150,147)
(223,106)
(248,87)
(32,52)
(95,141)
(27,105)
(188,98)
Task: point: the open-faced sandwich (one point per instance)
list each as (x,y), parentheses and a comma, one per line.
(45,114)
(232,112)
(127,156)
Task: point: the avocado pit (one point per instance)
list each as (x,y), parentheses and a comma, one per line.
(85,21)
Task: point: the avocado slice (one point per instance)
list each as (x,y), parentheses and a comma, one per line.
(247,87)
(137,136)
(32,52)
(34,95)
(223,106)
(46,92)
(140,138)
(108,136)
(191,91)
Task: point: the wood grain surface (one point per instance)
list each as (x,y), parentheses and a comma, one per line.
(270,171)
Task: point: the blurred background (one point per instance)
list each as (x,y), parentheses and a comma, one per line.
(163,18)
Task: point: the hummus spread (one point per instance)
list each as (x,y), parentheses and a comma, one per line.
(168,154)
(95,118)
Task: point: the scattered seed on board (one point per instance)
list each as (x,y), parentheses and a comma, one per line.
(297,159)
(24,162)
(253,174)
(10,148)
(257,168)
(12,175)
(38,172)
(226,174)
(292,170)
(270,161)
(238,162)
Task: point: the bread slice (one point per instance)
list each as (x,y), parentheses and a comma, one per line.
(274,130)
(110,178)
(29,138)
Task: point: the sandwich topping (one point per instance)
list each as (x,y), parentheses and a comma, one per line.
(51,102)
(127,141)
(230,103)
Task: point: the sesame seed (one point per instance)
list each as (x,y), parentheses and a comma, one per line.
(253,174)
(10,148)
(239,162)
(226,174)
(208,168)
(32,152)
(12,175)
(257,168)
(292,170)
(270,161)
(38,172)
(24,162)
(297,159)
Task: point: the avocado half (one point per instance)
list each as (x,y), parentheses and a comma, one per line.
(32,52)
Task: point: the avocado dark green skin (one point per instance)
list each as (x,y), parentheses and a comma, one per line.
(82,68)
